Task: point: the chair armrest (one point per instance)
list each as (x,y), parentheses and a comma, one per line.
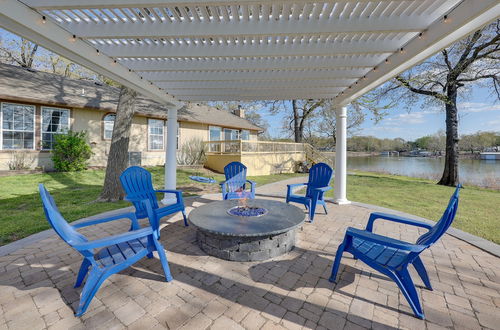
(391,217)
(253,184)
(383,240)
(115,239)
(120,216)
(293,185)
(323,189)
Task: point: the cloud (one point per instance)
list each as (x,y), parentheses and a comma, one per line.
(411,118)
(473,107)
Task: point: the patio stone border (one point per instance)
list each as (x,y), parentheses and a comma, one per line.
(478,242)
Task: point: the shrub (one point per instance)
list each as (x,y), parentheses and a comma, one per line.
(192,152)
(70,151)
(20,160)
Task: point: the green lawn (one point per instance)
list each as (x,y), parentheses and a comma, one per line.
(21,213)
(478,211)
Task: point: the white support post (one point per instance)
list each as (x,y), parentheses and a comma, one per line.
(171,157)
(341,158)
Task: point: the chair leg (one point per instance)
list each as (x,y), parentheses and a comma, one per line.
(311,209)
(185,218)
(405,283)
(336,262)
(84,268)
(420,268)
(89,290)
(324,207)
(163,259)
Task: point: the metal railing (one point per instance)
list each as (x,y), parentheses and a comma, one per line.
(246,146)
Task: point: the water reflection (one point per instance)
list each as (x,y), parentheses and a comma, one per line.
(473,171)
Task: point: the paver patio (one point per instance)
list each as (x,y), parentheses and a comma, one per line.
(289,292)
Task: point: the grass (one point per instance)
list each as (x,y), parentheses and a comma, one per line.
(478,211)
(21,213)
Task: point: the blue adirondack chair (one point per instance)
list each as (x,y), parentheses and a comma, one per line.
(320,176)
(392,257)
(138,186)
(115,253)
(236,181)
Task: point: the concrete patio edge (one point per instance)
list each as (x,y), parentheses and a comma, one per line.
(478,242)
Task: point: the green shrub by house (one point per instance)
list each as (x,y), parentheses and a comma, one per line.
(70,151)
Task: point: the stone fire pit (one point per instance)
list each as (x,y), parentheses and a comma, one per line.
(268,232)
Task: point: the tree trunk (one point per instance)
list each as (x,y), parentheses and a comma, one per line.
(450,173)
(296,126)
(118,152)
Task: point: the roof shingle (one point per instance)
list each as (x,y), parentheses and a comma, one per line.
(23,85)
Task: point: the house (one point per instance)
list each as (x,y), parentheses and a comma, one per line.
(37,105)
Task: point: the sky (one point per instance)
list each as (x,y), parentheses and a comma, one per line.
(478,113)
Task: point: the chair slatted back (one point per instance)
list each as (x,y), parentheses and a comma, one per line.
(320,175)
(236,176)
(137,183)
(56,220)
(438,230)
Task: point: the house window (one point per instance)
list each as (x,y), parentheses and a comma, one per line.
(214,134)
(231,134)
(156,129)
(18,126)
(245,134)
(109,123)
(54,121)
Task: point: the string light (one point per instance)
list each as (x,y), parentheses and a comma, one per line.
(420,35)
(375,69)
(97,52)
(44,20)
(387,60)
(446,19)
(73,38)
(402,50)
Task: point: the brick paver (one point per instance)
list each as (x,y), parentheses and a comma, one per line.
(289,292)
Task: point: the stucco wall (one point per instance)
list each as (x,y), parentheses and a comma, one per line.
(257,163)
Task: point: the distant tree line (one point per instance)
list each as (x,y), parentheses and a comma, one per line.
(468,143)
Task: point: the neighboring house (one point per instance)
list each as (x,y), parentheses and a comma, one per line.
(37,105)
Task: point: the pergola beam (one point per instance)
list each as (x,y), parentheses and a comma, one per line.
(119,30)
(25,22)
(69,4)
(244,63)
(278,97)
(245,74)
(246,50)
(466,18)
(257,83)
(252,92)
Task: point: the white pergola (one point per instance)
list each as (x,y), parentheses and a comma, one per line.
(193,50)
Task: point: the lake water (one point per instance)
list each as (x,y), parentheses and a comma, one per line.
(472,171)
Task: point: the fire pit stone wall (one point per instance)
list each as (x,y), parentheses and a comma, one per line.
(246,248)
